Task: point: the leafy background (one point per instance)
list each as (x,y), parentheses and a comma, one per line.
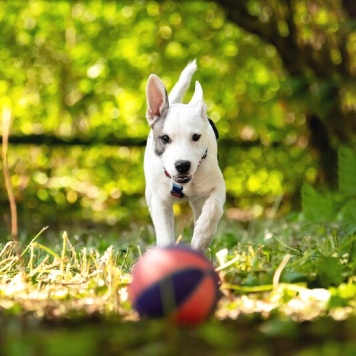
(278,78)
(79,70)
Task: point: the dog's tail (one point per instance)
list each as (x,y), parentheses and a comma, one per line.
(183,83)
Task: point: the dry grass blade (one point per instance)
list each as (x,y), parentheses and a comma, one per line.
(279,270)
(7,177)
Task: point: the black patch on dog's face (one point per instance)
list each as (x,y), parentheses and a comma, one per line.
(158,144)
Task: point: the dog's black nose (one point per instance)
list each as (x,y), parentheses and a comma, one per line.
(182,166)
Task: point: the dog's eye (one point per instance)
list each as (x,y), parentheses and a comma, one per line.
(165,139)
(196,137)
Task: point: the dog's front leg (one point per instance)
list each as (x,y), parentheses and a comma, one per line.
(206,225)
(163,221)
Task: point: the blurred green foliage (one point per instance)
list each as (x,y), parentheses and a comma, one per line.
(79,69)
(337,206)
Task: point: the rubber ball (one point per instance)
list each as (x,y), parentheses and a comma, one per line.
(176,283)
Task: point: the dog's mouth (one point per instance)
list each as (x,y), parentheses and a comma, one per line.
(181,179)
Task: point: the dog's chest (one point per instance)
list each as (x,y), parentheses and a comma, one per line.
(191,191)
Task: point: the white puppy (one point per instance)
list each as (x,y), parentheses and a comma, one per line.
(181,161)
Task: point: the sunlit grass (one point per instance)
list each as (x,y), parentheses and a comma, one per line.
(285,269)
(63,281)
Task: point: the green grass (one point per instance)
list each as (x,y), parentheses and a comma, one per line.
(282,281)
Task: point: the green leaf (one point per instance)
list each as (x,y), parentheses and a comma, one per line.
(347,171)
(329,271)
(315,206)
(348,212)
(342,295)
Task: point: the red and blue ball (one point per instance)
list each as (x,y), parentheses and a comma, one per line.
(176,283)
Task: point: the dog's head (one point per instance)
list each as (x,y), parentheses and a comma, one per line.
(180,131)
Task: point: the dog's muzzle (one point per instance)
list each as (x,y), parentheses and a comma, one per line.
(182,167)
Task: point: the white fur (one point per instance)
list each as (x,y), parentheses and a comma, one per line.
(206,189)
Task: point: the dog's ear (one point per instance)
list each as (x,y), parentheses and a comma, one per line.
(157,99)
(198,100)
